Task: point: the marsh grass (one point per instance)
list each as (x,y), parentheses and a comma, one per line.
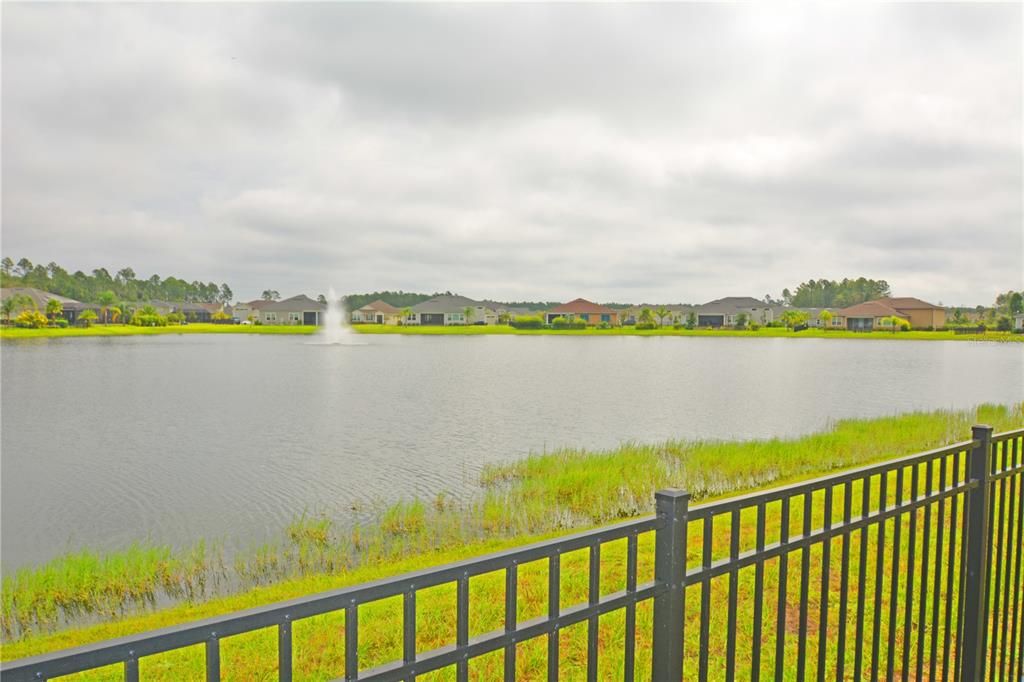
(536,497)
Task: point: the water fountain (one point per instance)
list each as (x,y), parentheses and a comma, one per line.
(335,329)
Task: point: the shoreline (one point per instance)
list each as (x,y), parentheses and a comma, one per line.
(524,500)
(9,333)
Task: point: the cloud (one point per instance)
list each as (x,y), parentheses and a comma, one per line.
(618,152)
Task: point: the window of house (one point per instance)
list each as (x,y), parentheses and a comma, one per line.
(294,317)
(272,317)
(606,318)
(585,317)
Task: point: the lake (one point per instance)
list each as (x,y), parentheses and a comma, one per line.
(228,437)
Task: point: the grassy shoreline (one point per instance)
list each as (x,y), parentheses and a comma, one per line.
(524,501)
(472,330)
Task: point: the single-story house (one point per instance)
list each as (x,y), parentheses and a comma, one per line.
(252,310)
(724,312)
(452,310)
(871,314)
(868,315)
(814,317)
(920,314)
(512,312)
(582,309)
(378,312)
(299,309)
(70,308)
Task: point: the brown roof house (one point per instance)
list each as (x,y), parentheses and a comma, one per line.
(582,309)
(872,314)
(378,312)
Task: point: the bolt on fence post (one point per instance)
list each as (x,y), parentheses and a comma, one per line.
(972,654)
(670,570)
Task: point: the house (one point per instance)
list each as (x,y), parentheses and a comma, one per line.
(71,309)
(251,311)
(299,309)
(194,312)
(814,317)
(582,309)
(1018,321)
(378,312)
(870,314)
(725,312)
(920,314)
(511,312)
(452,310)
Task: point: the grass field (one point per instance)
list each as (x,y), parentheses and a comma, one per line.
(524,501)
(473,330)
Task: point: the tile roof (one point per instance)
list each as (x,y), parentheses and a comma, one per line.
(380,307)
(581,305)
(870,309)
(908,303)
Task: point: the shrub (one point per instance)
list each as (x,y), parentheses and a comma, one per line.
(604,325)
(146,320)
(173,318)
(565,323)
(527,322)
(1004,324)
(87,318)
(220,317)
(646,325)
(754,326)
(61,322)
(31,319)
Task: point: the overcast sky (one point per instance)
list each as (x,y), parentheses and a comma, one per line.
(662,153)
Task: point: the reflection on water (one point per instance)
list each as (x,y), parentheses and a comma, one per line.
(109,440)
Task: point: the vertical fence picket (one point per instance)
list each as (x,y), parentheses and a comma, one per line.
(511,601)
(826,560)
(213,658)
(554,609)
(862,570)
(629,646)
(876,630)
(670,570)
(971,644)
(923,602)
(755,644)
(908,612)
(894,580)
(780,615)
(462,625)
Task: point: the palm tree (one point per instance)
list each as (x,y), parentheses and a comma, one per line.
(468,313)
(662,314)
(87,317)
(106,299)
(406,314)
(54,308)
(115,313)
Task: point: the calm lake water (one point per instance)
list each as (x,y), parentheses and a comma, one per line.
(171,438)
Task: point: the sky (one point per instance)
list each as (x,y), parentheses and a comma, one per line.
(658,153)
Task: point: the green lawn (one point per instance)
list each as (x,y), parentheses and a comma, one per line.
(523,501)
(473,330)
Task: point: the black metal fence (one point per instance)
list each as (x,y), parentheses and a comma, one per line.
(907,569)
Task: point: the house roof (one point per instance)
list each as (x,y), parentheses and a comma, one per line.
(733,304)
(448,304)
(295,304)
(581,305)
(908,303)
(38,296)
(258,304)
(870,309)
(380,306)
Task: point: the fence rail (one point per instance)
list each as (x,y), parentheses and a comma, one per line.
(906,569)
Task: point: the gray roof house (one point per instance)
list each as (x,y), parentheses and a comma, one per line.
(723,312)
(299,309)
(451,310)
(71,308)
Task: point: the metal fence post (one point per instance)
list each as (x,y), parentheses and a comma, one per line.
(670,570)
(971,648)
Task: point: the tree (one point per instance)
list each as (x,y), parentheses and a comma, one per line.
(691,320)
(468,313)
(270,295)
(226,294)
(825,317)
(24,266)
(895,323)
(106,299)
(406,313)
(6,266)
(321,299)
(54,308)
(115,313)
(13,304)
(792,318)
(646,317)
(1016,303)
(87,318)
(662,312)
(125,275)
(741,320)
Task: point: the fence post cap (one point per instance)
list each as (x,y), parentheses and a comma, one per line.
(981,430)
(671,494)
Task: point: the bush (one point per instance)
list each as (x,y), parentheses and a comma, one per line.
(61,323)
(31,319)
(173,318)
(146,320)
(565,323)
(646,325)
(904,326)
(754,326)
(87,318)
(1004,324)
(604,325)
(527,322)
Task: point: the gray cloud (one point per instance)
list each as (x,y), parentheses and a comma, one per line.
(627,152)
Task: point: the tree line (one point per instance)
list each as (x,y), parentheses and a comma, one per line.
(123,284)
(826,293)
